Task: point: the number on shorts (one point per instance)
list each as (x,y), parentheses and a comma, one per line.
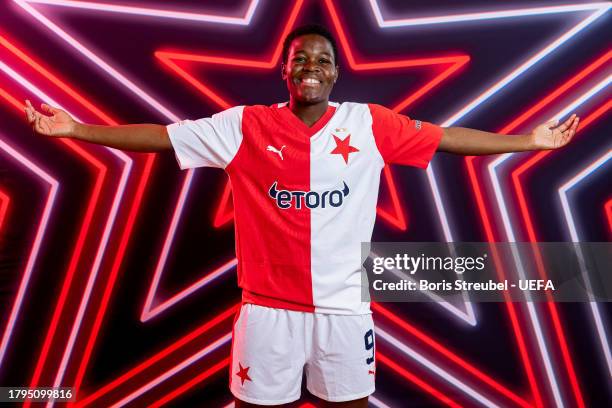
(369,344)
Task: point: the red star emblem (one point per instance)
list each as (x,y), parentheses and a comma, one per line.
(243,373)
(343,147)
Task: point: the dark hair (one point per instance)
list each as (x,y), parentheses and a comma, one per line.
(306,30)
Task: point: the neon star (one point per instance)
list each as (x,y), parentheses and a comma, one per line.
(343,147)
(243,373)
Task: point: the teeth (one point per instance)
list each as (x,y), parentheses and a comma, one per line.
(310,81)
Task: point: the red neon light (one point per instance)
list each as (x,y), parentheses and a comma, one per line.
(226,314)
(12,100)
(455,62)
(519,171)
(553,95)
(123,242)
(56,81)
(608,209)
(191,383)
(520,339)
(403,324)
(485,216)
(516,182)
(87,219)
(381,358)
(150,311)
(515,124)
(4,203)
(91,206)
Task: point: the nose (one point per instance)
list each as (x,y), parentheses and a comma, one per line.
(311,65)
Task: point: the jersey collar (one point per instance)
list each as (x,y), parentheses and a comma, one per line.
(296,123)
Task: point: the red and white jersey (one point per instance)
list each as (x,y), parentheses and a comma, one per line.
(304,197)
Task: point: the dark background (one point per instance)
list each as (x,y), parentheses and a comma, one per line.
(128,43)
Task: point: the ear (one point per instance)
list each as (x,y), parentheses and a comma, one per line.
(337,73)
(283,71)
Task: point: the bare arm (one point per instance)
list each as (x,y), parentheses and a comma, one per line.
(472,142)
(136,138)
(139,138)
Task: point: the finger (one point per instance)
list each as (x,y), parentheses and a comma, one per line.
(29,115)
(36,114)
(574,128)
(572,131)
(48,109)
(43,125)
(31,108)
(566,125)
(37,126)
(551,123)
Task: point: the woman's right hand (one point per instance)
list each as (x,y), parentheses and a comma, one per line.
(58,123)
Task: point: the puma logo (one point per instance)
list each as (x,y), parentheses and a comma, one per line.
(275,150)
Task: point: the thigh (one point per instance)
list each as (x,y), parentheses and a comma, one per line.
(267,357)
(341,366)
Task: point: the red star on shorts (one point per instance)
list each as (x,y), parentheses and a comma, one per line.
(343,147)
(243,373)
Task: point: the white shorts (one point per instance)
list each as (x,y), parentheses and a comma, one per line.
(272,347)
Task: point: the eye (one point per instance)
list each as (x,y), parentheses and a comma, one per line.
(324,61)
(299,59)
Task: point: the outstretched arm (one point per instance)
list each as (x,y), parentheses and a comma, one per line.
(472,142)
(139,138)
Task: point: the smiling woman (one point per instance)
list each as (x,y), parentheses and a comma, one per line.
(310,70)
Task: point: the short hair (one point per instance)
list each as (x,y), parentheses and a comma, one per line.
(306,30)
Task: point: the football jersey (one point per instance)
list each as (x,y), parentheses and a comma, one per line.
(304,197)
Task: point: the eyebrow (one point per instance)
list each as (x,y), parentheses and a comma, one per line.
(303,51)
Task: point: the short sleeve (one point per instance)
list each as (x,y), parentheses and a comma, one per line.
(210,142)
(401,140)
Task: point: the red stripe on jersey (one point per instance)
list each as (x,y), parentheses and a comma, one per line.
(273,244)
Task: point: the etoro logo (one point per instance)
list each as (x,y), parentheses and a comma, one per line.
(310,199)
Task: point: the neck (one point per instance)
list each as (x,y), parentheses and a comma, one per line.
(308,113)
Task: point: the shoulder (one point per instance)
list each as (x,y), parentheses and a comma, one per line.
(264,110)
(350,107)
(234,113)
(363,108)
(379,110)
(242,112)
(260,112)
